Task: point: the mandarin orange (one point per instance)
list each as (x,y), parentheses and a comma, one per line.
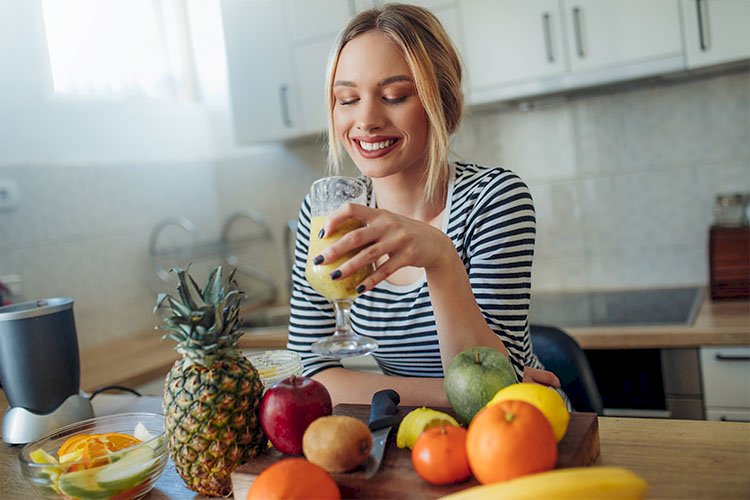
(510,439)
(294,479)
(439,455)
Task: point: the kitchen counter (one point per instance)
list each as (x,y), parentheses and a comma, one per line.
(678,458)
(717,323)
(144,357)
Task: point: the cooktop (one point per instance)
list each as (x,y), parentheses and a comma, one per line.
(662,306)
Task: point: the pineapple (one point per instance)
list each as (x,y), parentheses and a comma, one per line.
(212,394)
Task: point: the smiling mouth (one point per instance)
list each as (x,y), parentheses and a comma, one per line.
(375,149)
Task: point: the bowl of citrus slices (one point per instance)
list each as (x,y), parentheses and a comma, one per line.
(116,456)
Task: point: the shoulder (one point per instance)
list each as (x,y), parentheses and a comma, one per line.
(488,183)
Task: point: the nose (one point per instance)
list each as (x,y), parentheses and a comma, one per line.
(370,116)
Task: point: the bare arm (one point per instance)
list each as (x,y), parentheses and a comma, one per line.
(352,386)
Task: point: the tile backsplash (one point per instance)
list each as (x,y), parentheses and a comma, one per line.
(623,184)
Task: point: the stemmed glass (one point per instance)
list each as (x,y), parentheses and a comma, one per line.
(326,195)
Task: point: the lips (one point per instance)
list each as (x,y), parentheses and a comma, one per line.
(375,147)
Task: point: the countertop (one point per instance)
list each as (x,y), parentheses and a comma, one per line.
(678,458)
(143,357)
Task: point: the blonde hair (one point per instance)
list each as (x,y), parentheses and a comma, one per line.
(434,62)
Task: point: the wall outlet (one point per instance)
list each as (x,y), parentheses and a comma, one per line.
(9,195)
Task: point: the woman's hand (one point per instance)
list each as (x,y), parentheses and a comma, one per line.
(542,377)
(402,240)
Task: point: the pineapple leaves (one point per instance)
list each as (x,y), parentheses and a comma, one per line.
(204,322)
(213,290)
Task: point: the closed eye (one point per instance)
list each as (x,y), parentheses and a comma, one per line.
(396,100)
(346,102)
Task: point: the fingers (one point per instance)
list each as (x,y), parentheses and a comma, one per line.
(542,377)
(382,272)
(344,213)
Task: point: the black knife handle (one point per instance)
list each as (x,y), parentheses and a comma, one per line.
(383,409)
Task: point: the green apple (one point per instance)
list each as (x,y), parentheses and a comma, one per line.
(474,377)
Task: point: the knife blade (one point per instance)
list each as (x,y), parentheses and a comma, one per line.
(383,416)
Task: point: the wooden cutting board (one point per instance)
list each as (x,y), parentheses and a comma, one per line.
(396,477)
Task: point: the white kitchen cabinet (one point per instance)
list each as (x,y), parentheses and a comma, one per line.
(716,31)
(311,20)
(725,373)
(517,48)
(613,33)
(310,62)
(511,41)
(265,104)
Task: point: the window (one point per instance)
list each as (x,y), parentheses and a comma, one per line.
(119,48)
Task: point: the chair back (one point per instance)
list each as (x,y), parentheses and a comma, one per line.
(561,354)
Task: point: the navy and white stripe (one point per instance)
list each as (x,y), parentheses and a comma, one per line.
(490,219)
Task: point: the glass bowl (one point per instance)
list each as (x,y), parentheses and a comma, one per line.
(274,366)
(127,473)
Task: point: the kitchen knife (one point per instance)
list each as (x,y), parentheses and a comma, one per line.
(382,419)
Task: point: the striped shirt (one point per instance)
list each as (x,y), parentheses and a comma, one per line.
(489,216)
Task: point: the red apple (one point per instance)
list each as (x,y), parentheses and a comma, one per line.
(288,407)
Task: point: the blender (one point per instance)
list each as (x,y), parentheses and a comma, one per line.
(40,369)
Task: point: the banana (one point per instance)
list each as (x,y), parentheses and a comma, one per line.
(603,483)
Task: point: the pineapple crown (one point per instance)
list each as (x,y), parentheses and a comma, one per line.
(204,322)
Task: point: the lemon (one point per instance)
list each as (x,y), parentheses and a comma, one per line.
(39,456)
(419,420)
(545,399)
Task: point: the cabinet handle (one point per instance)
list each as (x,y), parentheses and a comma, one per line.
(577,28)
(701,25)
(547,37)
(284,99)
(725,357)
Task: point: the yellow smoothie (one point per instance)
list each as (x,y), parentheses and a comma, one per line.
(318,276)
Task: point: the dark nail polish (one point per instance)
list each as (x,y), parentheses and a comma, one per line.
(336,274)
(317,260)
(321,233)
(360,289)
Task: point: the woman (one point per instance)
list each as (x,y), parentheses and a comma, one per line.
(452,243)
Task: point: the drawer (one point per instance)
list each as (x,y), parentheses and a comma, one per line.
(726,377)
(728,415)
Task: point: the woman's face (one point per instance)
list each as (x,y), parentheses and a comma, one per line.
(377,114)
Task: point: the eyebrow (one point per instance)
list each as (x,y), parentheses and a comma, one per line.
(381,83)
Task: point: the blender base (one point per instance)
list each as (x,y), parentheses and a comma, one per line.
(21,426)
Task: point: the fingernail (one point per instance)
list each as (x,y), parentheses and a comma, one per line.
(321,233)
(317,260)
(360,289)
(336,274)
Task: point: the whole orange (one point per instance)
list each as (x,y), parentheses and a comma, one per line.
(509,439)
(293,479)
(439,455)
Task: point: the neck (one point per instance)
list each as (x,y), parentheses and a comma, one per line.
(406,197)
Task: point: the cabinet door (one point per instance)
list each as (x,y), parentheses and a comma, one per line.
(726,377)
(510,41)
(311,20)
(716,31)
(618,32)
(311,63)
(260,70)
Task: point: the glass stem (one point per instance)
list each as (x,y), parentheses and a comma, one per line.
(343,324)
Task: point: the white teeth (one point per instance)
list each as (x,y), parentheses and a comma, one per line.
(374,146)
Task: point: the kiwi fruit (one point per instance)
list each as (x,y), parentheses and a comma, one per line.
(337,443)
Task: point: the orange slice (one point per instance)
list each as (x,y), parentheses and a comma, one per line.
(96,448)
(73,443)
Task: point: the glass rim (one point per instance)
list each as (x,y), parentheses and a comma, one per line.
(330,178)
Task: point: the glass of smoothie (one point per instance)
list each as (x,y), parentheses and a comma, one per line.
(326,195)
